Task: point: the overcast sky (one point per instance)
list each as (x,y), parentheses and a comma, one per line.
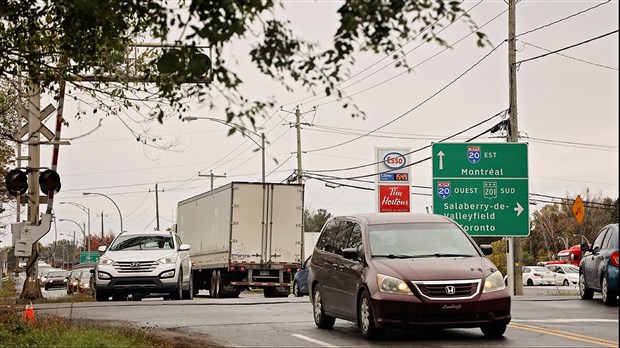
(567,113)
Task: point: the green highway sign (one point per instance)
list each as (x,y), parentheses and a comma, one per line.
(483,187)
(89,257)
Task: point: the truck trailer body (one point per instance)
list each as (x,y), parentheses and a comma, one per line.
(244,235)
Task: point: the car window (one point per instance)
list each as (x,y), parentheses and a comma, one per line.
(355,240)
(598,242)
(419,240)
(541,269)
(342,236)
(142,242)
(607,241)
(571,270)
(328,236)
(58,274)
(526,270)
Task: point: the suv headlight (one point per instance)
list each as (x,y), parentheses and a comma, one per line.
(105,261)
(165,260)
(392,285)
(494,282)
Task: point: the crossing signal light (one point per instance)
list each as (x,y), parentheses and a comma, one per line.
(16,182)
(49,181)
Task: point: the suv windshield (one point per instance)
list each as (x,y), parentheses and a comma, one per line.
(142,242)
(419,240)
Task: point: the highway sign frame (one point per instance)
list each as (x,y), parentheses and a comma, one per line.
(483,186)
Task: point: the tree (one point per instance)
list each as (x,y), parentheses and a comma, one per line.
(8,128)
(314,220)
(87,44)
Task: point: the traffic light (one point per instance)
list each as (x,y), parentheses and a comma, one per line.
(16,182)
(49,180)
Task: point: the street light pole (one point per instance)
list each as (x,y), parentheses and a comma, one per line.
(87,211)
(83,232)
(116,205)
(242,129)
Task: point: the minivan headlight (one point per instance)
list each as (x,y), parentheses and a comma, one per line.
(105,261)
(494,282)
(392,285)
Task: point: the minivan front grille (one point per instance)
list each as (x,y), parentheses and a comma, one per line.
(135,266)
(448,289)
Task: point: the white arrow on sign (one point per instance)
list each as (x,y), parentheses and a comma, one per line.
(440,154)
(519,209)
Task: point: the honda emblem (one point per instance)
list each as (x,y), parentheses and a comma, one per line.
(450,290)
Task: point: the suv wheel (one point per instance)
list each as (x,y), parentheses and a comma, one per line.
(101,296)
(584,292)
(609,297)
(320,318)
(177,294)
(189,293)
(366,320)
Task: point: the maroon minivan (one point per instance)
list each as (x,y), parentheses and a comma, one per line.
(401,270)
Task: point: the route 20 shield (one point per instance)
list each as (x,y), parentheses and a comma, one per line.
(443,189)
(473,154)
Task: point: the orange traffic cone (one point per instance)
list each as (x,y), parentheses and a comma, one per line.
(29,314)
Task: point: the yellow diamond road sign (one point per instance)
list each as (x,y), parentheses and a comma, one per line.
(578,209)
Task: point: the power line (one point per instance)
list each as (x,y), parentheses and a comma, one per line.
(567,47)
(573,58)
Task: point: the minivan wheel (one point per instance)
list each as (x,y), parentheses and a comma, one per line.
(493,330)
(366,319)
(609,298)
(584,292)
(320,318)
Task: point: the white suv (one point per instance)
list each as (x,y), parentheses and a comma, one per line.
(144,264)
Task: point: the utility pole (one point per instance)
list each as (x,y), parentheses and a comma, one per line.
(157,206)
(515,253)
(213,176)
(102,236)
(298,126)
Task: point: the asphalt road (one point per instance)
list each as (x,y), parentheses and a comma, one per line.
(251,320)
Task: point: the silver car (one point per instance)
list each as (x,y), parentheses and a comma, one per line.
(144,264)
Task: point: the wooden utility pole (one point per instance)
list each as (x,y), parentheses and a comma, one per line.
(157,206)
(514,251)
(213,176)
(102,234)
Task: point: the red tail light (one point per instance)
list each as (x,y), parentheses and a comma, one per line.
(288,270)
(614,258)
(232,268)
(242,269)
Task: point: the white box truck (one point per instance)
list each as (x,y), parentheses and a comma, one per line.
(244,235)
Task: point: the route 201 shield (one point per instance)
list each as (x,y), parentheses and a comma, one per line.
(443,189)
(473,154)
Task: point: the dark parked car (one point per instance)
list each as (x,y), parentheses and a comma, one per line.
(598,270)
(397,270)
(56,279)
(300,282)
(79,280)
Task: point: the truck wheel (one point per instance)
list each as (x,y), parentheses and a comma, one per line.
(584,292)
(177,294)
(214,285)
(189,293)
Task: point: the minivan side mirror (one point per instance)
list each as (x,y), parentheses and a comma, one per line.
(486,249)
(350,253)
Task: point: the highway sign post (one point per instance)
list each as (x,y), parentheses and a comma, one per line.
(483,187)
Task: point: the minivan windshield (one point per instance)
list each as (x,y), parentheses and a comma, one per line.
(142,242)
(419,240)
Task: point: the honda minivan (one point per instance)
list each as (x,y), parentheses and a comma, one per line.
(386,271)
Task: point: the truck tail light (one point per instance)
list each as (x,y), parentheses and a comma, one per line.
(614,258)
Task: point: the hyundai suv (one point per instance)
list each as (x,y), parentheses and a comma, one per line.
(598,270)
(143,264)
(401,270)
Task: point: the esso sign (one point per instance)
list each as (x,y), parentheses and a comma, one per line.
(394,160)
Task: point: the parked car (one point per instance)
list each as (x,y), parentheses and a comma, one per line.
(565,274)
(537,275)
(56,279)
(144,264)
(300,281)
(598,270)
(386,271)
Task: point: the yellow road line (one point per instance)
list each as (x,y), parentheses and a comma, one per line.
(564,334)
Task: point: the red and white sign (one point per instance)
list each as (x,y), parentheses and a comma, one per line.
(394,199)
